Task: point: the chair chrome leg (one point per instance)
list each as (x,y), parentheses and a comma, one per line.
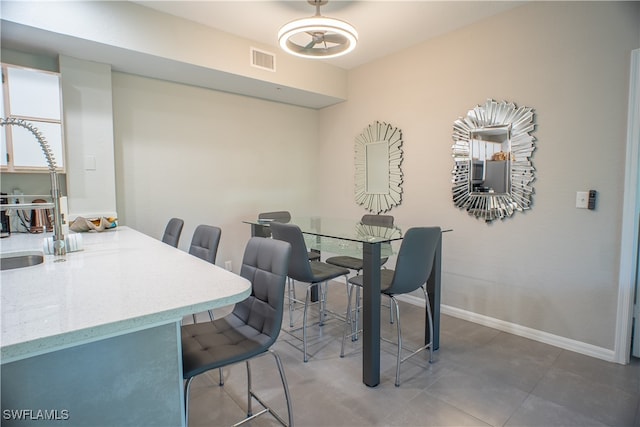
(291,292)
(348,290)
(304,323)
(349,323)
(394,303)
(428,345)
(210,315)
(325,297)
(321,301)
(293,288)
(390,314)
(349,313)
(283,378)
(430,316)
(356,331)
(266,408)
(249,391)
(221,381)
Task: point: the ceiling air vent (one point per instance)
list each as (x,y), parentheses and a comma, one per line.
(262,59)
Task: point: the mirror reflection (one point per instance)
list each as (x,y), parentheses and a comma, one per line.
(492,171)
(377,167)
(490,167)
(378,176)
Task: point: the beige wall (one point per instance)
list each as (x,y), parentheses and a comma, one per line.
(88,127)
(554,268)
(217,158)
(208,157)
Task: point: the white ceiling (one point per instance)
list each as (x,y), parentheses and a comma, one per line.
(383,26)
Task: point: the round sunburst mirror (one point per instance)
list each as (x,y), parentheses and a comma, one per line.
(378,177)
(492,172)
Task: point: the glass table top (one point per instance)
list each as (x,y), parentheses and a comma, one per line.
(342,229)
(342,236)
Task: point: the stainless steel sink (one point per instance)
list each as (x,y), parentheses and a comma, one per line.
(14,260)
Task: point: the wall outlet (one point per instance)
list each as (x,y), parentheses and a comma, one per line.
(228,266)
(582,199)
(64,214)
(17,193)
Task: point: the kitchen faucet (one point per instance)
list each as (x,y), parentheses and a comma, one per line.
(58,236)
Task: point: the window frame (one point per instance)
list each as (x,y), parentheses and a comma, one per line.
(10,165)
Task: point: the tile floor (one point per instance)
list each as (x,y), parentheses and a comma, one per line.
(480,377)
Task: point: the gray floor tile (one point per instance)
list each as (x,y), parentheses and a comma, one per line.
(210,404)
(609,405)
(624,377)
(480,377)
(513,360)
(425,410)
(490,401)
(536,411)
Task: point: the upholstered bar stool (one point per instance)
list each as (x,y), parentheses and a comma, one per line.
(314,273)
(249,330)
(204,245)
(413,267)
(355,264)
(285,217)
(172,232)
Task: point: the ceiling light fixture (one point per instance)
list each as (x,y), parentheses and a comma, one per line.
(318,37)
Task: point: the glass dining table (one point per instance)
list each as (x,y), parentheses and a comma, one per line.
(351,237)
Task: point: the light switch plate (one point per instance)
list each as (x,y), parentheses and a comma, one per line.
(582,199)
(89,163)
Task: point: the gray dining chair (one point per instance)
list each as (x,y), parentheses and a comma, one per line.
(280,216)
(412,269)
(355,264)
(204,245)
(249,330)
(315,273)
(285,217)
(172,232)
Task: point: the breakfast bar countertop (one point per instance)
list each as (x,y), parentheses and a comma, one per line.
(122,281)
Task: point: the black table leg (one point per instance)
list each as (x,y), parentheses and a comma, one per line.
(371,314)
(258,230)
(314,290)
(433,289)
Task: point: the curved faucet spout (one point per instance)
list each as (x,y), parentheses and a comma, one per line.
(58,236)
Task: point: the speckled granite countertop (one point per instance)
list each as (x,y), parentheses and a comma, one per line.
(122,281)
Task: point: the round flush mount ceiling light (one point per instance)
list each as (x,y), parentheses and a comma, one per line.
(318,36)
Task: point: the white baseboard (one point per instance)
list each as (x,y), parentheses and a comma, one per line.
(519,330)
